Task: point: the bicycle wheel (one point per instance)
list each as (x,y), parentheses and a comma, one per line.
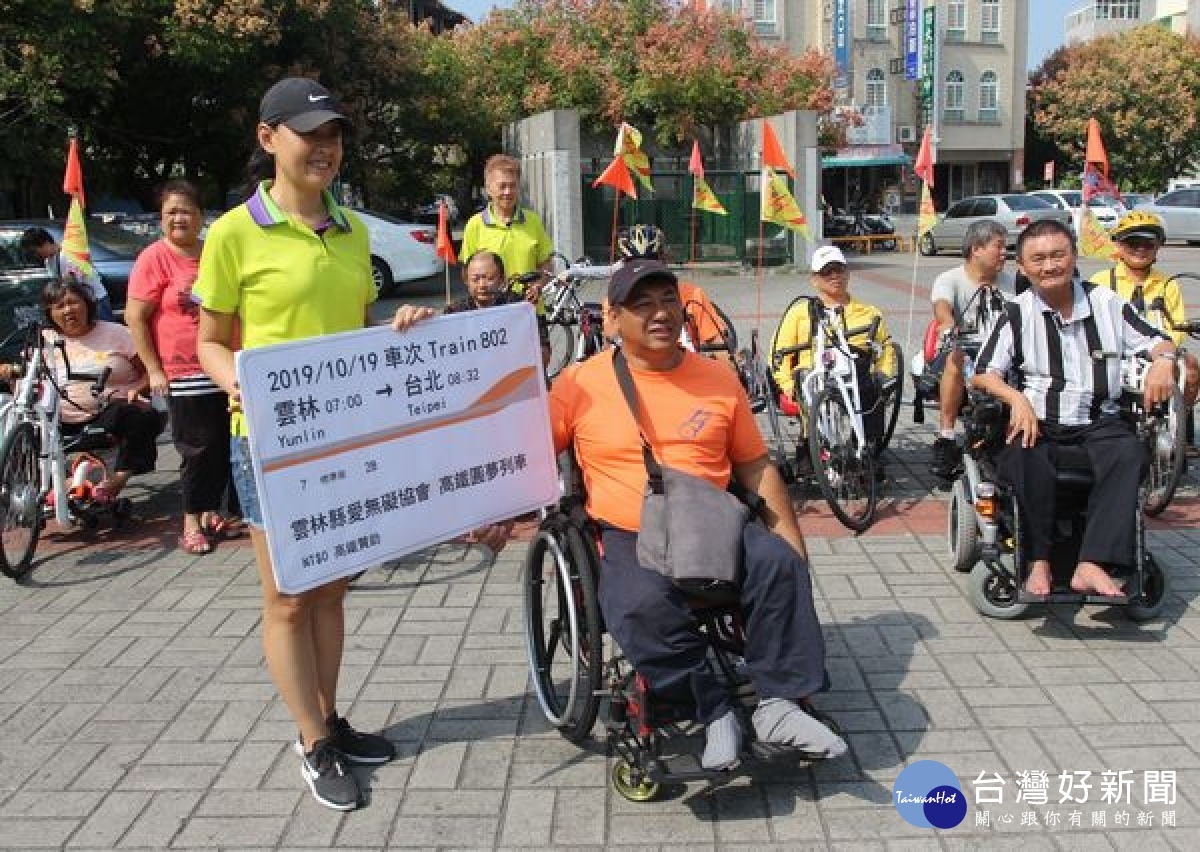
(563,639)
(891,401)
(20,504)
(844,468)
(1167,455)
(562,347)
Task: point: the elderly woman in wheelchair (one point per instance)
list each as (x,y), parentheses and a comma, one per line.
(1065,444)
(704,659)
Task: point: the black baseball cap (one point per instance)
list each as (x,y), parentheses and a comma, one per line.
(634,272)
(302,104)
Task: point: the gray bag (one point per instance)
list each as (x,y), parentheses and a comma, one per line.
(690,530)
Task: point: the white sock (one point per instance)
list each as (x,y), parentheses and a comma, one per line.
(948,434)
(784,722)
(722,742)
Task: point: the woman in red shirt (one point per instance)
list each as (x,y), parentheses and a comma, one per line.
(164,318)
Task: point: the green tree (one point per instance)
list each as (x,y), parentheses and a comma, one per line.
(1142,86)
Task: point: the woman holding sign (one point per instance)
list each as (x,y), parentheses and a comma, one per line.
(291,264)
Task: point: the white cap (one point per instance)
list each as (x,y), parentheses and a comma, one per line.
(826,255)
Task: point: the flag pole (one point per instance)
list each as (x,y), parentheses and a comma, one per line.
(912,294)
(612,248)
(694,218)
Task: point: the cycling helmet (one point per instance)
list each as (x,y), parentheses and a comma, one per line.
(1140,223)
(642,241)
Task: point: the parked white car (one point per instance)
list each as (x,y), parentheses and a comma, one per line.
(400,251)
(1108,210)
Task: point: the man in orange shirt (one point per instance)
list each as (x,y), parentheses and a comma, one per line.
(697,419)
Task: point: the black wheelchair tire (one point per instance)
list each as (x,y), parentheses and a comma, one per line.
(860,520)
(892,402)
(562,347)
(572,557)
(20,499)
(993,592)
(962,531)
(1156,588)
(1160,494)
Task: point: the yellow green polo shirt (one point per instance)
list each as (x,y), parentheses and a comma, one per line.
(522,243)
(282,279)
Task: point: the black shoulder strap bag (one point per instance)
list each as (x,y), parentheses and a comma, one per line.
(690,530)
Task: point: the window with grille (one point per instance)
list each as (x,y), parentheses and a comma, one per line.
(877,19)
(764,17)
(989,28)
(989,98)
(956,20)
(876,94)
(952,108)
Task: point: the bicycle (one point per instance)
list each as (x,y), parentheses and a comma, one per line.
(842,456)
(34,480)
(565,311)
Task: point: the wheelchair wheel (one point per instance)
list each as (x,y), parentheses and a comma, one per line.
(892,400)
(632,784)
(844,470)
(563,640)
(562,347)
(1155,588)
(1168,442)
(20,500)
(993,591)
(962,531)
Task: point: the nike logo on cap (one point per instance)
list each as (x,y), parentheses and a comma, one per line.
(314,98)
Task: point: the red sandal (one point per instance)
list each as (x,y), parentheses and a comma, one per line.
(195,542)
(223,529)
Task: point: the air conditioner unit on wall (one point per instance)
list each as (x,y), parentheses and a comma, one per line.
(906,133)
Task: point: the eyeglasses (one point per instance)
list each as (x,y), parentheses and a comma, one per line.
(832,270)
(1140,243)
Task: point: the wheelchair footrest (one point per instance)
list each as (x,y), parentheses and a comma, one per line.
(1024,597)
(680,769)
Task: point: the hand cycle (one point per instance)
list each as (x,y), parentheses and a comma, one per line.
(33,456)
(565,310)
(843,458)
(1169,441)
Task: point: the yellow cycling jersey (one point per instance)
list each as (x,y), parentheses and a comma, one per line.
(796,328)
(1157,284)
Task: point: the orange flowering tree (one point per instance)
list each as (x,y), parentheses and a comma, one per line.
(1143,87)
(652,63)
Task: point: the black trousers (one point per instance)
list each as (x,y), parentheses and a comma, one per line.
(200,431)
(651,621)
(135,427)
(1118,461)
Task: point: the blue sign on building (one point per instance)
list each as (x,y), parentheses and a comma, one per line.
(841,42)
(912,38)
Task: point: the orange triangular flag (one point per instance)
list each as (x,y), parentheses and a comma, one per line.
(444,245)
(617,176)
(772,151)
(73,179)
(696,163)
(923,168)
(1095,152)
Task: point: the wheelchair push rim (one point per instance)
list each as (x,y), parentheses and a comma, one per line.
(562,634)
(20,499)
(1166,449)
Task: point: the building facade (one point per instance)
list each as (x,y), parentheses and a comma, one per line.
(1104,17)
(976,104)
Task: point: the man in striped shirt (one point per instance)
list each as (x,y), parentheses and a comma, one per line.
(1063,340)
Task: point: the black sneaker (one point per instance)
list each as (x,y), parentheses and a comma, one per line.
(947,458)
(359,748)
(324,768)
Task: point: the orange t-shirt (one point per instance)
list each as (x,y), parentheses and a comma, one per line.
(696,417)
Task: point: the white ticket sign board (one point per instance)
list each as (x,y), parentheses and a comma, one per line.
(371,444)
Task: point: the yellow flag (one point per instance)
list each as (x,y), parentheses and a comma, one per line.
(75,240)
(1094,241)
(703,198)
(928,213)
(629,149)
(779,206)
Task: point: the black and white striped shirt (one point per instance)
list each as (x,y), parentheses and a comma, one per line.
(1068,369)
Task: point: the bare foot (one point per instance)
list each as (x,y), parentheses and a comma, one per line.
(1091,579)
(1038,581)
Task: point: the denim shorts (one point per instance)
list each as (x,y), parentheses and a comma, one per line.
(243,480)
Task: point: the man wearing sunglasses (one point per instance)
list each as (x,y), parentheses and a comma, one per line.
(1138,236)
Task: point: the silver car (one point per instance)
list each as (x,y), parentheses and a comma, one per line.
(1180,212)
(1012,210)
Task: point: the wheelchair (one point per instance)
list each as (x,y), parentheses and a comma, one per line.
(984,525)
(576,673)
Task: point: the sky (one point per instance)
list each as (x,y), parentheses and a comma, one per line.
(1045,21)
